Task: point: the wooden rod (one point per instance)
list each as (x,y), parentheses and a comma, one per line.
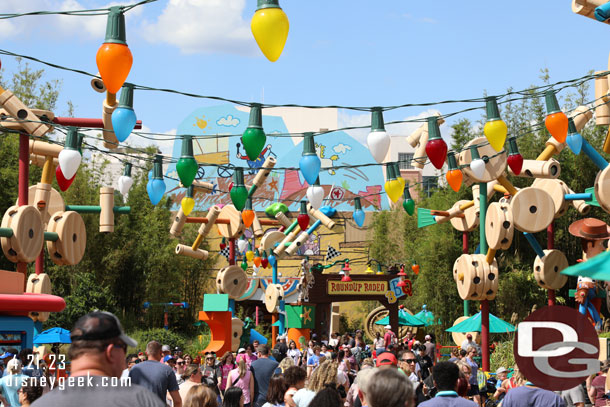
(197,242)
(47,170)
(502,180)
(197,219)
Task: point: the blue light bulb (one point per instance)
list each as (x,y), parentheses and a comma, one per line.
(123,122)
(150,175)
(574,141)
(358,216)
(272,260)
(156,189)
(310,168)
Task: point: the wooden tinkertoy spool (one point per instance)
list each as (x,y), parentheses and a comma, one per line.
(180,218)
(44,195)
(235,227)
(270,238)
(237,328)
(547,270)
(27,237)
(539,169)
(475,278)
(39,284)
(469,222)
(602,189)
(69,248)
(495,162)
(602,109)
(273,295)
(499,226)
(232,280)
(533,210)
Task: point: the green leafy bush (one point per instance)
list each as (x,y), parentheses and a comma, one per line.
(164,337)
(503,356)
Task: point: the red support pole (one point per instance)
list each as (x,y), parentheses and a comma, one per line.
(550,244)
(485,334)
(256,316)
(84,122)
(232,251)
(24,175)
(465,242)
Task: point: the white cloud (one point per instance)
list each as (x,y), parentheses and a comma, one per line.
(341,148)
(203,26)
(229,121)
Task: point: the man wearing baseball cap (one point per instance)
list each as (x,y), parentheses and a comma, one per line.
(389,338)
(97,354)
(387,360)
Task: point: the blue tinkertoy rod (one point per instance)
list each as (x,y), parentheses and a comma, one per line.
(534,243)
(592,153)
(578,197)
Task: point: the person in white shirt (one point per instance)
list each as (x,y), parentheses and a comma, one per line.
(469,342)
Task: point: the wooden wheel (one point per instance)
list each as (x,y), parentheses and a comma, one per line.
(557,189)
(70,247)
(370,327)
(232,280)
(55,204)
(458,337)
(463,274)
(270,239)
(273,295)
(235,227)
(39,284)
(602,189)
(533,210)
(491,279)
(26,243)
(547,270)
(495,165)
(478,263)
(499,226)
(470,220)
(237,328)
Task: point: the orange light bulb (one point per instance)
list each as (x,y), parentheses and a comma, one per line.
(114,58)
(557,125)
(247,215)
(454,178)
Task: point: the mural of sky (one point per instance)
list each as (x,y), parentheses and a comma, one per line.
(225,153)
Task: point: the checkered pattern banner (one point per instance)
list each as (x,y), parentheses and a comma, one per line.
(225,252)
(331,253)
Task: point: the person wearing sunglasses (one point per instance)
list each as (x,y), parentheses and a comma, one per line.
(97,352)
(407,362)
(179,370)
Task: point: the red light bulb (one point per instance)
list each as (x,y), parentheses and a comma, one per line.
(63,183)
(401,283)
(437,152)
(515,162)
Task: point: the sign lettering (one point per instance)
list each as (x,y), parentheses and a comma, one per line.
(357,287)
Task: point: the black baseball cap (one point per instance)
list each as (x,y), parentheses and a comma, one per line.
(100,325)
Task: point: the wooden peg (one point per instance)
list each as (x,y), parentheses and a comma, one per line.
(539,169)
(110,140)
(39,160)
(502,180)
(107,210)
(212,215)
(454,212)
(188,251)
(581,206)
(178,223)
(257,228)
(587,7)
(7,121)
(262,174)
(279,250)
(303,237)
(491,255)
(283,219)
(316,213)
(552,147)
(45,149)
(15,107)
(581,116)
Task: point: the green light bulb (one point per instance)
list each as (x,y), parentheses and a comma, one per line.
(187,165)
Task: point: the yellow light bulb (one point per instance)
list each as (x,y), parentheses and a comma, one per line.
(394,189)
(369,270)
(250,255)
(495,132)
(188,204)
(270,29)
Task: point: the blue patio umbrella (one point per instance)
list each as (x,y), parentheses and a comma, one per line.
(52,336)
(597,268)
(404,319)
(473,324)
(427,317)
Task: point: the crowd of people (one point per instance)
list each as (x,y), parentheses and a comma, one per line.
(341,371)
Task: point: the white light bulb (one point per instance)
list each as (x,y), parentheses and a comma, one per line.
(315,195)
(69,161)
(125,183)
(478,168)
(379,144)
(242,245)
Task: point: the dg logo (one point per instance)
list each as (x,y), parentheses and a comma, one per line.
(556,348)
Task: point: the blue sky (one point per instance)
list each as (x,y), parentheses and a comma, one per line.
(355,52)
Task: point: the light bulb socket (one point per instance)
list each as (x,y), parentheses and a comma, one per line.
(474,153)
(127,170)
(261,4)
(377,123)
(71,139)
(187,146)
(571,126)
(491,106)
(238,177)
(357,204)
(390,172)
(317,183)
(115,26)
(452,161)
(406,193)
(126,99)
(512,146)
(158,167)
(396,170)
(190,192)
(80,137)
(303,210)
(256,117)
(248,204)
(552,105)
(434,130)
(309,146)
